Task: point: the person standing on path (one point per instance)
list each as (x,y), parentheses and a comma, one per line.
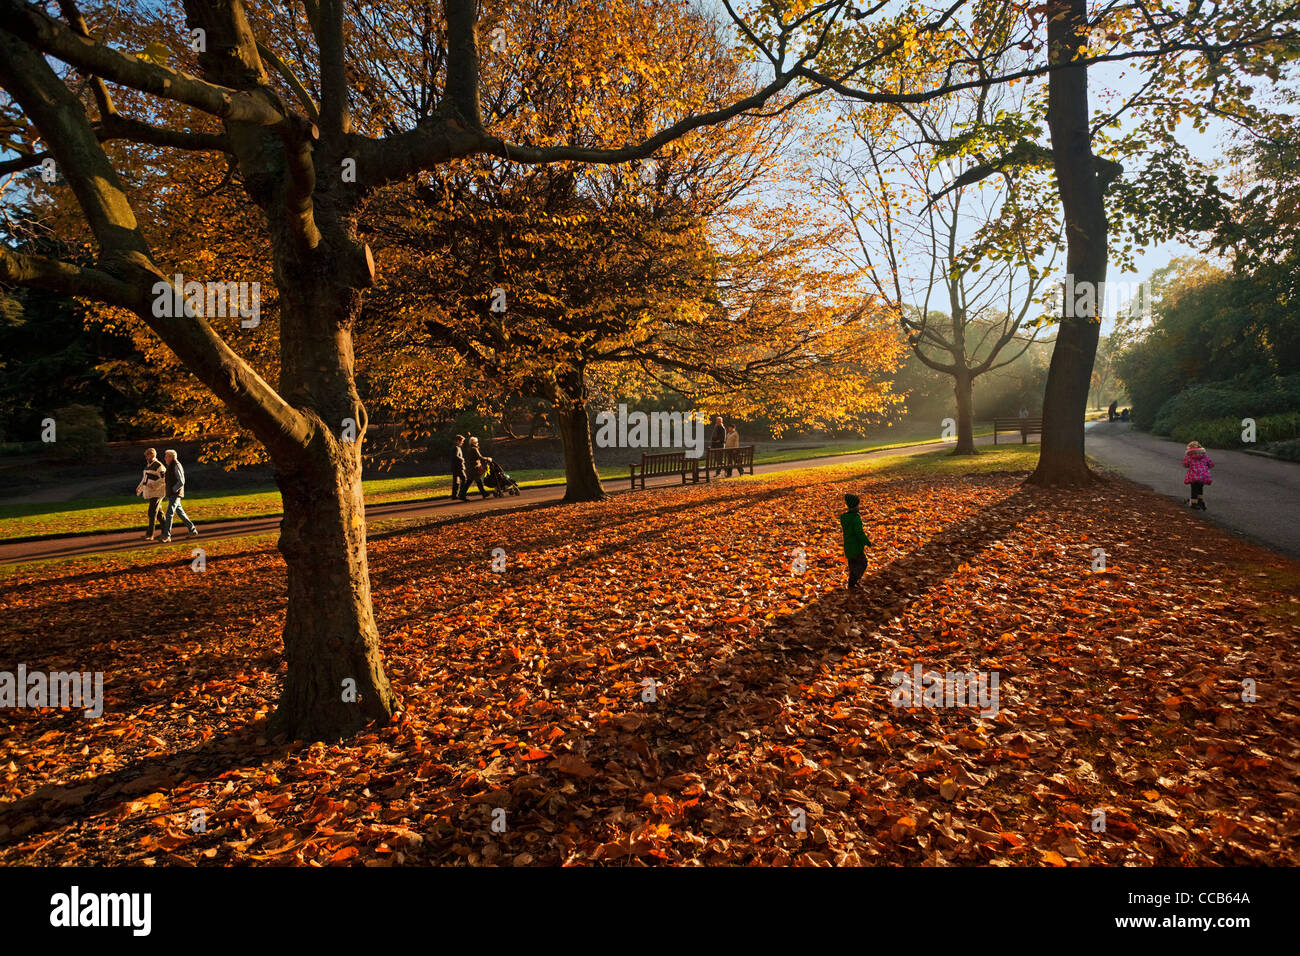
(476,464)
(1111,412)
(732,441)
(151,487)
(855,540)
(1198,465)
(175,491)
(459,479)
(717,438)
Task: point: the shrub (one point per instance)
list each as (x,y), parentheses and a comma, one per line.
(1290,450)
(1247,396)
(1226,432)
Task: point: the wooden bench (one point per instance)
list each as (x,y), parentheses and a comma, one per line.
(1023,426)
(665,463)
(738,458)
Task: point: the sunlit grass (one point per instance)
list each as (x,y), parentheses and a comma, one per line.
(91,515)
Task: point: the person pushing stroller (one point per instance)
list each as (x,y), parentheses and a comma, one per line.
(483,469)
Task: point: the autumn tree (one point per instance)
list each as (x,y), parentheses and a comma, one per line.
(306,167)
(964,265)
(1195,61)
(542,278)
(316,107)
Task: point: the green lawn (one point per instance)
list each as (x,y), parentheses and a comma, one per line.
(1002,458)
(88,515)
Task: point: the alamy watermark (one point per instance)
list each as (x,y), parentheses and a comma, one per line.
(75,909)
(651,430)
(37,689)
(1093,300)
(209,299)
(946,689)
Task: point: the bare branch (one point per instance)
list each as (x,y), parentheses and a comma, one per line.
(126,274)
(295,84)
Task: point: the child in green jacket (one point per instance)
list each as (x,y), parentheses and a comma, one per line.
(855,540)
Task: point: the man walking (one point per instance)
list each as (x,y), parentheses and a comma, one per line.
(459,479)
(717,439)
(175,491)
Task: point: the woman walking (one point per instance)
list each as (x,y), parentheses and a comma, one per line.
(476,465)
(732,441)
(152,484)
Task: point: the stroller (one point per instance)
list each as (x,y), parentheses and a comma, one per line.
(496,478)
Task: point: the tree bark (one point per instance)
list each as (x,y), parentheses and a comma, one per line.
(965,415)
(335,682)
(1061,460)
(568,396)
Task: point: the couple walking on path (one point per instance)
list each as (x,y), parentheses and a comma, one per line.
(724,437)
(163,481)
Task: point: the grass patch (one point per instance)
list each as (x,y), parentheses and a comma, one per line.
(990,460)
(123,513)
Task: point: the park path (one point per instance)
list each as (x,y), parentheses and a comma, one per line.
(1255,496)
(20,552)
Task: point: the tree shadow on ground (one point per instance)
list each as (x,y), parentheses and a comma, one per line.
(77,802)
(680,732)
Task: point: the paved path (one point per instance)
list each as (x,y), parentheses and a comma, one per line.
(1258,497)
(444,508)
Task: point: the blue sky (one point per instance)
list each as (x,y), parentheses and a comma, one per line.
(1109,84)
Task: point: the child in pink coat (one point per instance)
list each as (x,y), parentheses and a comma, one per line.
(1198,465)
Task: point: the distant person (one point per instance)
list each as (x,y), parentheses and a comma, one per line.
(1111,411)
(855,540)
(717,439)
(175,491)
(476,464)
(1123,416)
(152,485)
(1198,465)
(459,478)
(1024,425)
(732,441)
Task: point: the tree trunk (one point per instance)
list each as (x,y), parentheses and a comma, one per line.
(335,683)
(965,416)
(581,480)
(568,397)
(1061,460)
